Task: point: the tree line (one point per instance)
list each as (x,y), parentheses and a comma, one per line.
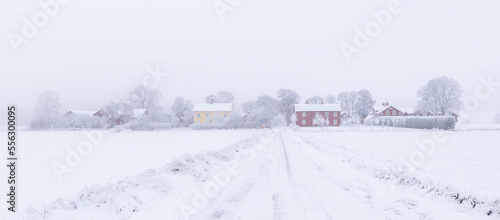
(439,96)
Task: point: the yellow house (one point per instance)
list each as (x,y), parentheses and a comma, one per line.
(210,112)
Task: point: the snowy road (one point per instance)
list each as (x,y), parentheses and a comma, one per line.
(289,181)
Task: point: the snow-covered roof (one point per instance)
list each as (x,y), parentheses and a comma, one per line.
(383,109)
(87,113)
(138,113)
(215,107)
(408,110)
(317,107)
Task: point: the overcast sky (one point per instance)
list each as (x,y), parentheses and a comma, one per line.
(93,51)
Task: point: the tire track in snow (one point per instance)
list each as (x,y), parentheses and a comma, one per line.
(284,182)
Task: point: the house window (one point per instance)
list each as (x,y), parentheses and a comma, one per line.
(303,122)
(317,113)
(225,115)
(335,114)
(327,114)
(335,122)
(393,112)
(206,115)
(304,114)
(198,115)
(387,112)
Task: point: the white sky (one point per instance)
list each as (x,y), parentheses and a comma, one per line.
(94,51)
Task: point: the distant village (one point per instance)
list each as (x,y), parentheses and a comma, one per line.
(307,115)
(142,110)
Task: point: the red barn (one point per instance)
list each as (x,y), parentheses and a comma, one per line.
(306,113)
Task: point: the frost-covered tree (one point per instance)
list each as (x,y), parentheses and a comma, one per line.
(112,109)
(263,112)
(330,99)
(47,111)
(211,98)
(79,121)
(221,97)
(145,97)
(286,100)
(225,97)
(320,121)
(315,100)
(156,114)
(348,102)
(365,102)
(235,121)
(182,111)
(248,106)
(440,95)
(118,112)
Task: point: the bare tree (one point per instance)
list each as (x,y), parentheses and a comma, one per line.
(330,99)
(365,102)
(440,95)
(47,110)
(286,100)
(315,100)
(145,97)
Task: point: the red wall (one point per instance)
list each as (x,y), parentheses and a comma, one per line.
(310,116)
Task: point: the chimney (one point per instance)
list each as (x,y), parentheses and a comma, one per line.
(211,101)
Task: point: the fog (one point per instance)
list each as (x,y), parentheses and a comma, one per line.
(91,52)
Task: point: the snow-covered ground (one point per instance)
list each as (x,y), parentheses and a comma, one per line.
(335,173)
(120,154)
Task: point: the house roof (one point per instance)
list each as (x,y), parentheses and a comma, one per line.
(215,107)
(317,107)
(77,112)
(383,109)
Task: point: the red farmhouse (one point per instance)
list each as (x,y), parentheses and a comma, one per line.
(390,111)
(307,112)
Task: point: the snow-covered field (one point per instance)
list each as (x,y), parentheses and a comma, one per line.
(335,173)
(120,154)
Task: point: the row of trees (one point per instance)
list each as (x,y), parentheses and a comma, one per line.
(439,96)
(48,115)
